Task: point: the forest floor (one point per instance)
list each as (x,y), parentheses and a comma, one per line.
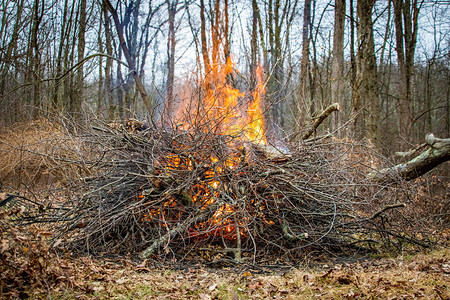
(425,276)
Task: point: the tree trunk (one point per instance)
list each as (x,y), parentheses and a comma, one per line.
(226,32)
(305,65)
(35,56)
(172,8)
(12,47)
(206,62)
(406,36)
(108,67)
(78,97)
(101,89)
(366,74)
(337,69)
(254,46)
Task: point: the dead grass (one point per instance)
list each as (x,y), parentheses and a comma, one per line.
(39,153)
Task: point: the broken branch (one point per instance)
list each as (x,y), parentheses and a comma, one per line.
(320,119)
(438,153)
(182,227)
(387,207)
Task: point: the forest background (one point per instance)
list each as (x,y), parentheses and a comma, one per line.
(385,62)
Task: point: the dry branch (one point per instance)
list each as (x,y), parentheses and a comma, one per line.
(387,207)
(179,229)
(318,120)
(438,153)
(171,191)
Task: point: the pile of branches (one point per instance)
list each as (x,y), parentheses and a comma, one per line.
(169,192)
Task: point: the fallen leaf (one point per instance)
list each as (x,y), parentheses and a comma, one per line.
(57,243)
(98,288)
(122,280)
(143,269)
(254,285)
(203,296)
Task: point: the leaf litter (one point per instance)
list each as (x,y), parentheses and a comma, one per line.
(30,269)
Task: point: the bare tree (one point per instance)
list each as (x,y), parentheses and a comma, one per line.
(131,63)
(279,17)
(337,70)
(406,27)
(365,94)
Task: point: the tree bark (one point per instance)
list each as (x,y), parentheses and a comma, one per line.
(366,75)
(304,65)
(204,43)
(12,47)
(254,46)
(438,153)
(108,66)
(172,8)
(406,24)
(35,55)
(79,86)
(333,107)
(337,69)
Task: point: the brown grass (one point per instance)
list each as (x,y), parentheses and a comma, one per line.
(38,153)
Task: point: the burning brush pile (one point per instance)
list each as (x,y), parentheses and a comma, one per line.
(212,180)
(169,192)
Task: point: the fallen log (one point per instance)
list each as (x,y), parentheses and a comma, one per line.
(437,153)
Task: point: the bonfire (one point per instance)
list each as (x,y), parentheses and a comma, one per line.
(208,179)
(212,180)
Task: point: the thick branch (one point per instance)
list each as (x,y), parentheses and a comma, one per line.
(387,207)
(320,119)
(438,153)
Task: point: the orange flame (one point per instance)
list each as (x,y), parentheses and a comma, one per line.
(222,107)
(255,127)
(222,104)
